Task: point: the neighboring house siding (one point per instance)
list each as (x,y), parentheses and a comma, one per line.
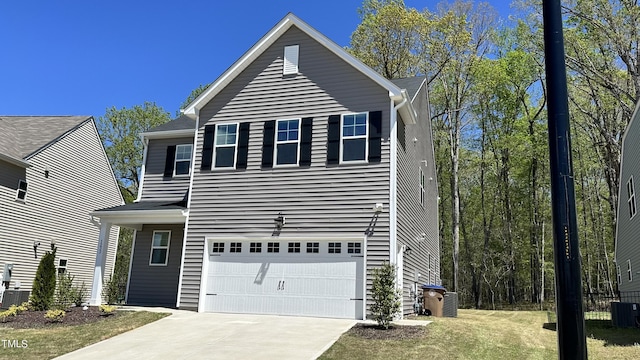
(155,185)
(155,285)
(413,218)
(318,201)
(628,241)
(9,176)
(80,181)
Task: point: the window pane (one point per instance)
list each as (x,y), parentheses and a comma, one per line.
(225,156)
(287,154)
(361,130)
(160,239)
(348,131)
(183,152)
(354,149)
(158,256)
(182,167)
(226,134)
(348,120)
(361,119)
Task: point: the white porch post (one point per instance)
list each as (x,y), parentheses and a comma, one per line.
(101,259)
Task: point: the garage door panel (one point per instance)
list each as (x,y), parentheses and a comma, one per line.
(307,284)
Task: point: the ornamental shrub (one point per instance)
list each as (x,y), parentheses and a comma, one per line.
(55,315)
(44,284)
(64,291)
(386,297)
(106,309)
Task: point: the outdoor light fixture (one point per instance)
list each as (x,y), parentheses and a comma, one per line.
(35,249)
(280,221)
(407,250)
(53,244)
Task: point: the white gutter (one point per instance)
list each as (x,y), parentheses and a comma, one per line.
(15,161)
(167,134)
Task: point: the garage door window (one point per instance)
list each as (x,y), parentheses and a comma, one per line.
(353,248)
(255,247)
(335,248)
(235,247)
(160,248)
(218,247)
(294,247)
(313,247)
(273,247)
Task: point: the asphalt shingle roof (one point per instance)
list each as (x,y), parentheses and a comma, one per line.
(21,136)
(181,123)
(411,84)
(149,205)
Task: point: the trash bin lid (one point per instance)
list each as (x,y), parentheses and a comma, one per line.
(438,288)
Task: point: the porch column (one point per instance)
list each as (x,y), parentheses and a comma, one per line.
(101,260)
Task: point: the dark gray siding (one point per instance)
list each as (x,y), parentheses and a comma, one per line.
(57,207)
(627,238)
(155,185)
(10,175)
(319,200)
(155,285)
(413,218)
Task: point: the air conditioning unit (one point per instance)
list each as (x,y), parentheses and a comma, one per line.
(450,306)
(14,297)
(625,315)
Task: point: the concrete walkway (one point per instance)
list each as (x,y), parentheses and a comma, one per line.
(190,335)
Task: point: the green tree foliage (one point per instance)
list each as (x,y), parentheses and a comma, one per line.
(385,295)
(120,131)
(192,96)
(44,284)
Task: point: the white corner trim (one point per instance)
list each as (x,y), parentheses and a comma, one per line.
(202,293)
(393,183)
(143,167)
(133,248)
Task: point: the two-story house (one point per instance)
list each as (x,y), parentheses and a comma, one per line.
(283,185)
(53,173)
(627,248)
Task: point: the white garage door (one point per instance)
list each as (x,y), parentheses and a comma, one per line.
(307,278)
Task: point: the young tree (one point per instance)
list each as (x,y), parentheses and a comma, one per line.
(386,297)
(44,284)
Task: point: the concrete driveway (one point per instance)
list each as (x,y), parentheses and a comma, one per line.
(190,335)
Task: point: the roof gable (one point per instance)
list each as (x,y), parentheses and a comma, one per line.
(266,41)
(24,136)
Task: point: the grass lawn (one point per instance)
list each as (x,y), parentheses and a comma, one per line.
(483,334)
(47,343)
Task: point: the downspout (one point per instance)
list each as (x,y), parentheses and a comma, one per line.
(393,181)
(145,141)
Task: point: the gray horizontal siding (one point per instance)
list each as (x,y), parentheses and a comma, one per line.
(413,218)
(10,175)
(627,241)
(155,186)
(317,201)
(80,181)
(155,285)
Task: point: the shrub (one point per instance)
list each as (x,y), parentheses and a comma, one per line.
(386,298)
(7,314)
(55,315)
(80,293)
(44,284)
(64,291)
(112,290)
(106,309)
(17,310)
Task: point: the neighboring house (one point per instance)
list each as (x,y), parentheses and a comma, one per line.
(280,188)
(627,249)
(53,173)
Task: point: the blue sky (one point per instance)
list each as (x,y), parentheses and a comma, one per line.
(79,57)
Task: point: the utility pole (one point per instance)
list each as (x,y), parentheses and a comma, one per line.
(572,343)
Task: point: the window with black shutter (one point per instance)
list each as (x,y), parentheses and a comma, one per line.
(207,147)
(169,161)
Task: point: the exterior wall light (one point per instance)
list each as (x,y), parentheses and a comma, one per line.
(280,221)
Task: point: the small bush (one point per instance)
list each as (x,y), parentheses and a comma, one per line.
(80,293)
(55,315)
(17,310)
(8,314)
(44,284)
(386,298)
(106,309)
(64,291)
(112,290)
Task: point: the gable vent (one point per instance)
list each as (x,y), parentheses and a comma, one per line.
(290,60)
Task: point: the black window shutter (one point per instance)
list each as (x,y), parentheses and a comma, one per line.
(169,161)
(243,146)
(305,142)
(267,143)
(333,140)
(207,147)
(375,136)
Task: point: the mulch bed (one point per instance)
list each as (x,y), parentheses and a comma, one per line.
(74,316)
(395,332)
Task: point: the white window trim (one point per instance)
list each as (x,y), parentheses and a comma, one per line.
(19,190)
(631,201)
(365,136)
(176,160)
(65,267)
(619,275)
(166,259)
(216,146)
(290,60)
(276,143)
(422,182)
(629,272)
